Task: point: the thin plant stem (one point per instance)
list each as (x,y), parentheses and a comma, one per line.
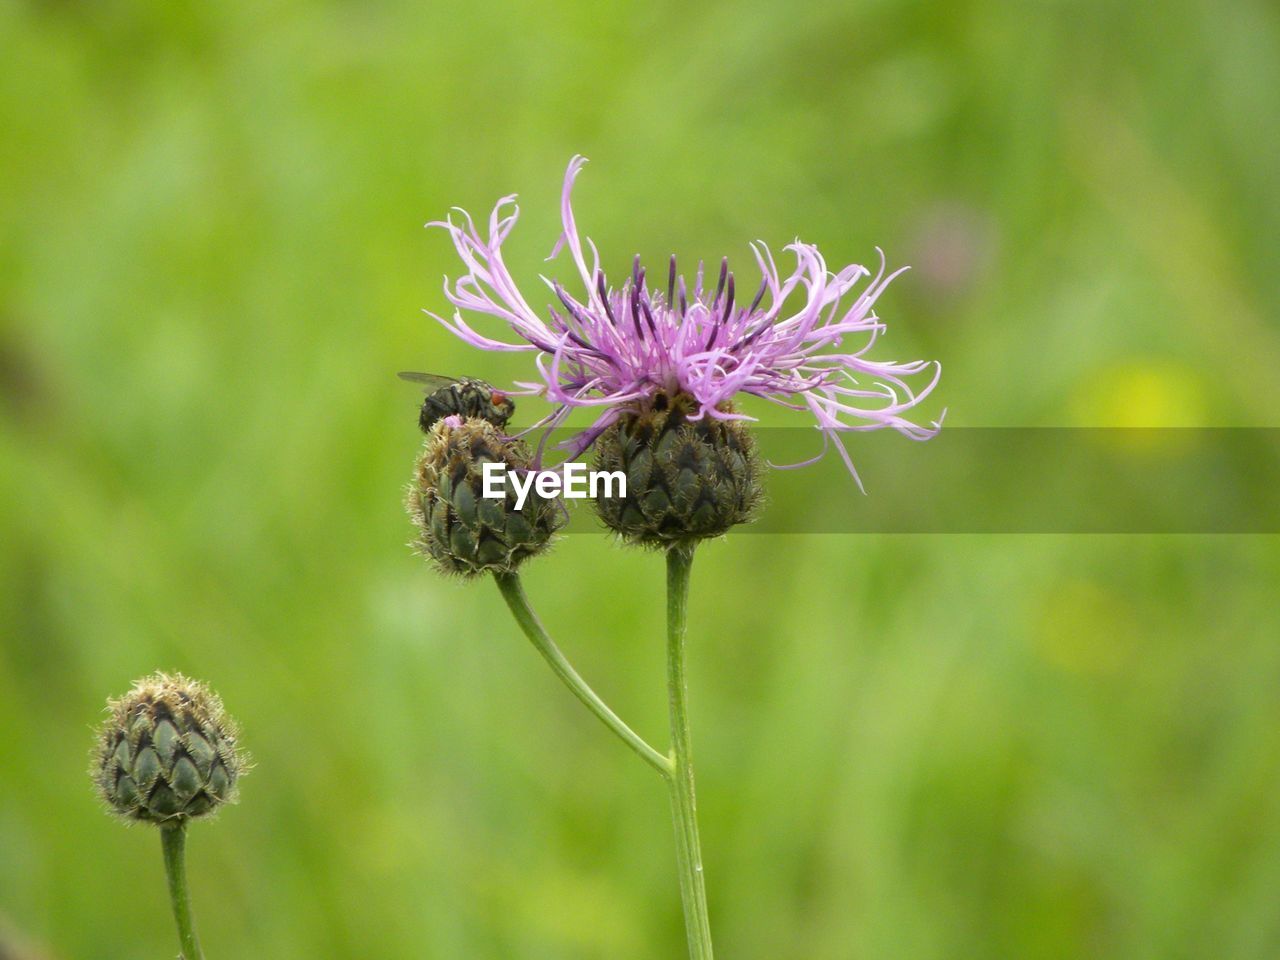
(173,838)
(513,592)
(684,804)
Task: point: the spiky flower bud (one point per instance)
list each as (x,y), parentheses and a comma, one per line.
(167,752)
(460,529)
(686,479)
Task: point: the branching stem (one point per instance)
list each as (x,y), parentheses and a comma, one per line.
(513,592)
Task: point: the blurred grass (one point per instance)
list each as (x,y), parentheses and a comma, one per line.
(211,260)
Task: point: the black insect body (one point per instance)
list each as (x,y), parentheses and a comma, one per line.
(463,396)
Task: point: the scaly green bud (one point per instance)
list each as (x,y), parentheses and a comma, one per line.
(460,529)
(687,480)
(167,753)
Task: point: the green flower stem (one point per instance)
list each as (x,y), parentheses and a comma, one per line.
(684,804)
(173,838)
(513,592)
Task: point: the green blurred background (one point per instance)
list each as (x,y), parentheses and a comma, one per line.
(211,263)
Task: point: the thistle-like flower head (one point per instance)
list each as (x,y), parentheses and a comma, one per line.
(460,529)
(801,341)
(167,752)
(686,480)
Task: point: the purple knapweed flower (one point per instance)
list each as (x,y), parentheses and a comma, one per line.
(617,348)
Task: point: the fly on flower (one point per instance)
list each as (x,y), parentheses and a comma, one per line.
(801,341)
(463,396)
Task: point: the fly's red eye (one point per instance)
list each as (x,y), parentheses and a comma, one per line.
(500,398)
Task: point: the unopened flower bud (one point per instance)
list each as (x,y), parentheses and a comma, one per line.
(167,752)
(687,480)
(460,529)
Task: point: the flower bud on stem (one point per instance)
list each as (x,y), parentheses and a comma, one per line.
(167,755)
(461,530)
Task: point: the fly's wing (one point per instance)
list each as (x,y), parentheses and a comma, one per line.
(431,381)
